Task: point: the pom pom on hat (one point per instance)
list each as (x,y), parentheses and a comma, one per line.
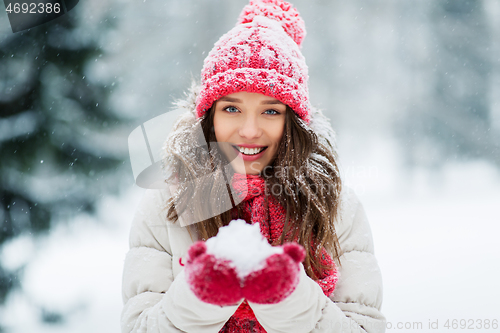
(280,11)
(261,54)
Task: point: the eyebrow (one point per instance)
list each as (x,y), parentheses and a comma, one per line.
(272,102)
(236,100)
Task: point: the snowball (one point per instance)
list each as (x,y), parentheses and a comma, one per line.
(243,245)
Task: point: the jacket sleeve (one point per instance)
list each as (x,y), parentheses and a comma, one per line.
(153,300)
(357,299)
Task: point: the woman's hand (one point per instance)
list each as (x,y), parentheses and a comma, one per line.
(211,279)
(277,279)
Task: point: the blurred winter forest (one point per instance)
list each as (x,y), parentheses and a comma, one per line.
(412,89)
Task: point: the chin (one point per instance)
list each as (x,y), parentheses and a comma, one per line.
(253,172)
(247,170)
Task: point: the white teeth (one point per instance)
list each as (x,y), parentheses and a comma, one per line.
(250,151)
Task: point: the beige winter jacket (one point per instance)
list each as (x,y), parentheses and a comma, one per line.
(157,298)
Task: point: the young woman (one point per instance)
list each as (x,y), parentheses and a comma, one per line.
(250,146)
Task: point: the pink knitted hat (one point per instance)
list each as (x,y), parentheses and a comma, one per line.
(262,55)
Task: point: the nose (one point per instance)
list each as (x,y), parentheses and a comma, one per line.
(250,128)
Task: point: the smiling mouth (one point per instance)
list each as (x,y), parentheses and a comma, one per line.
(249,151)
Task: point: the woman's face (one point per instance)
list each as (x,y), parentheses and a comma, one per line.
(252,124)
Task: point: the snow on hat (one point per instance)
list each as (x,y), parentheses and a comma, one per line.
(261,55)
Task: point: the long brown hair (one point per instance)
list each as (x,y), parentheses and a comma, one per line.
(305,169)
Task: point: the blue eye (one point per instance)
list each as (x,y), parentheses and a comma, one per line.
(231,109)
(274,112)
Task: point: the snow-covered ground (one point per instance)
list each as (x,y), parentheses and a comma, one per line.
(75,271)
(436,238)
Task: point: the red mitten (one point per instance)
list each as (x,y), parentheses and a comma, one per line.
(277,279)
(211,279)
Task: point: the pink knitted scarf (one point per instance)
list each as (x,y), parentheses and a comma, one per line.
(251,190)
